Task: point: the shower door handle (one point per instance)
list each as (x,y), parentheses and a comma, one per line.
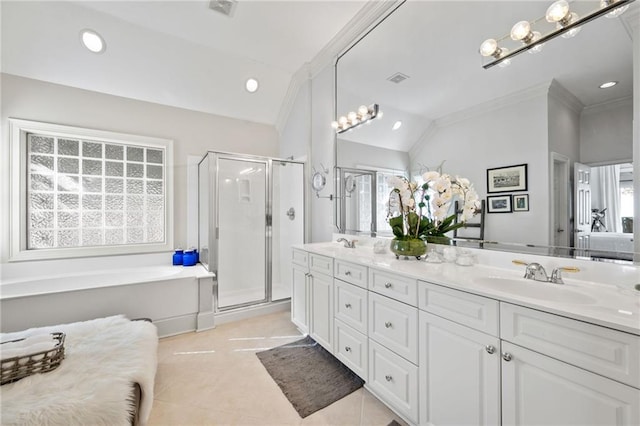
(291,213)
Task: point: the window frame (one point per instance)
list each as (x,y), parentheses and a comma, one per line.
(18,131)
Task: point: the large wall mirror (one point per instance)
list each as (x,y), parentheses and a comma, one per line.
(422,66)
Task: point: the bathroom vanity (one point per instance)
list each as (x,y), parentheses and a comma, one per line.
(449,344)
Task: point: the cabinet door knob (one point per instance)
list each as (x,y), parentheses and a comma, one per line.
(507,356)
(388,285)
(388,324)
(347,273)
(388,378)
(347,305)
(347,348)
(490,349)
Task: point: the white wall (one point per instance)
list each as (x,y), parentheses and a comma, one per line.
(518,132)
(295,138)
(606,133)
(193,132)
(322,152)
(352,154)
(564,122)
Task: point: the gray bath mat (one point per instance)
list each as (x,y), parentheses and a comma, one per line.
(309,376)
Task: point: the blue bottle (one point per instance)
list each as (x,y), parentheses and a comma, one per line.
(178,257)
(189,258)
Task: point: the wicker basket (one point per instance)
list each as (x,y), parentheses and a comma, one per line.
(16,368)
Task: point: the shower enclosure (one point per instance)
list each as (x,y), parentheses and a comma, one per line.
(251,210)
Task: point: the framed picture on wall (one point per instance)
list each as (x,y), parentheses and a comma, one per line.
(520,202)
(499,204)
(507,179)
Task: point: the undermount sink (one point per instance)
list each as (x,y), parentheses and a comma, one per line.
(535,289)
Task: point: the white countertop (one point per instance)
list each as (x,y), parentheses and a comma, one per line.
(610,302)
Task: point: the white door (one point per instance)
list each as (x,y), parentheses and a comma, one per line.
(321,322)
(299,306)
(582,206)
(539,390)
(459,374)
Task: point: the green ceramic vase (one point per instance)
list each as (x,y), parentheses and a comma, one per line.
(409,248)
(439,239)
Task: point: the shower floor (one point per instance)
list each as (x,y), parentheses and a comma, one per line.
(238,297)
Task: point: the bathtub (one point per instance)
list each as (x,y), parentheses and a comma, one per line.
(177,299)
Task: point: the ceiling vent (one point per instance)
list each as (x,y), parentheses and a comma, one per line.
(398,77)
(226,7)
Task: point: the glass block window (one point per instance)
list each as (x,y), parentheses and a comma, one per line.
(88,193)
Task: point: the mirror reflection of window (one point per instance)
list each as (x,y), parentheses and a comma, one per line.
(612,198)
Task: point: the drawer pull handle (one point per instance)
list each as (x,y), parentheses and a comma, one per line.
(388,378)
(347,273)
(388,285)
(507,356)
(347,348)
(388,324)
(347,305)
(490,349)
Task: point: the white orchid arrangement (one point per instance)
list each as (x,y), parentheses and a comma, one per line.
(418,211)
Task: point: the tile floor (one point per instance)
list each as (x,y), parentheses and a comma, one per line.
(214,378)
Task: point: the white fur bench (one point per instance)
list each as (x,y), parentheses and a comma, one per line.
(104,360)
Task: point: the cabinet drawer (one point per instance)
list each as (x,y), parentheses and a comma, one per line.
(299,257)
(394,286)
(394,325)
(351,347)
(480,313)
(351,273)
(394,380)
(611,353)
(351,305)
(322,264)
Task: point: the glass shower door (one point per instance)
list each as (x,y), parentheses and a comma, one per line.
(288,223)
(242,212)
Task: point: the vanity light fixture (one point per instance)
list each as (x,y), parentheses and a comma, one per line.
(92,41)
(567,24)
(251,85)
(353,119)
(608,84)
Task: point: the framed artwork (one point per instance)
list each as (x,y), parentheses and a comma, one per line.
(520,202)
(499,204)
(507,179)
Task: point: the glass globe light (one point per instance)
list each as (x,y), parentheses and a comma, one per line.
(521,31)
(488,47)
(362,110)
(342,120)
(352,116)
(335,125)
(557,11)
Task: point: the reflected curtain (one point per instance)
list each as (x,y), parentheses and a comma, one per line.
(605,190)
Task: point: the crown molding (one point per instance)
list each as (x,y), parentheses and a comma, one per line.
(558,92)
(626,101)
(370,15)
(631,18)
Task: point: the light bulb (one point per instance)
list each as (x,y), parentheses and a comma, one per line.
(352,116)
(251,85)
(537,48)
(362,110)
(335,125)
(488,47)
(615,12)
(92,41)
(521,31)
(557,11)
(342,120)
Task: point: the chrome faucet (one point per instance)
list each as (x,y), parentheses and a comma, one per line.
(347,243)
(535,271)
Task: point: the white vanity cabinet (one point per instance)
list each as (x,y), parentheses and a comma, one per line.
(321,300)
(300,290)
(459,359)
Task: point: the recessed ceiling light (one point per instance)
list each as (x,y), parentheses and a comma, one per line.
(397,125)
(92,41)
(251,85)
(608,84)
